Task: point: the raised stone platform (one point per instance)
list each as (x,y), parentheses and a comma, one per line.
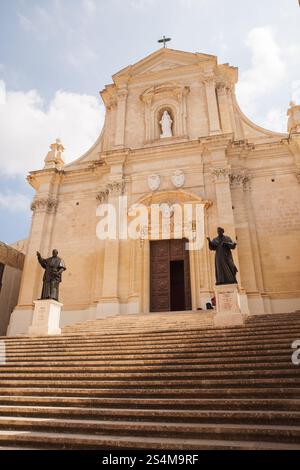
(46,318)
(231,305)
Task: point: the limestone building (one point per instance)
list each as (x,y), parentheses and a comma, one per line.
(245,177)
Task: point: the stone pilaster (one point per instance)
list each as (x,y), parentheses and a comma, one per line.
(121,117)
(240,184)
(44,208)
(212,106)
(222,93)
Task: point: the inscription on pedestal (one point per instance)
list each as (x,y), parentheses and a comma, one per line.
(46,318)
(226,301)
(40,314)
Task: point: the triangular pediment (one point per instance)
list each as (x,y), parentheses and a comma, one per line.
(162,60)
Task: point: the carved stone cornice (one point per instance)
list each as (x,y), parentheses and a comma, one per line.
(48,205)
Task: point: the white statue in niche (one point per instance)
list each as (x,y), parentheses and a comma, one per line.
(166,125)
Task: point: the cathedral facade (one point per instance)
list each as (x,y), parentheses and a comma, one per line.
(173,134)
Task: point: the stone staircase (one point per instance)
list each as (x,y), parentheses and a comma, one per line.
(157,381)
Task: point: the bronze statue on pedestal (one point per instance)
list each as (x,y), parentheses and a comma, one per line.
(224,265)
(54,267)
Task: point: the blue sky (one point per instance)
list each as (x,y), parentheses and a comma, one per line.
(55,56)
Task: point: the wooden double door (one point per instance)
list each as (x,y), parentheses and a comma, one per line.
(170,284)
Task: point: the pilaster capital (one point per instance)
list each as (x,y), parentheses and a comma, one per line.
(116,188)
(102,196)
(239,179)
(221,174)
(122,94)
(48,205)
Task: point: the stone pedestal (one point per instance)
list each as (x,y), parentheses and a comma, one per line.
(46,317)
(231,305)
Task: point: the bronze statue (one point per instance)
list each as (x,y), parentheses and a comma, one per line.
(54,267)
(224,264)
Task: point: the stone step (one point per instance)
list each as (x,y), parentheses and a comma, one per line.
(180,365)
(175,382)
(280,344)
(83,441)
(171,331)
(192,343)
(186,416)
(186,336)
(252,327)
(197,404)
(129,376)
(201,360)
(134,428)
(172,356)
(274,391)
(128,330)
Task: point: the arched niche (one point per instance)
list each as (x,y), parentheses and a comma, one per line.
(170,96)
(159,113)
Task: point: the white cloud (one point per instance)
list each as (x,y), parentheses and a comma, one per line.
(295,87)
(80,55)
(39,22)
(89,6)
(267,71)
(2,92)
(139,4)
(27,127)
(276,120)
(14,202)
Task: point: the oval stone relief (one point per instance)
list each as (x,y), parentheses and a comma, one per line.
(178,178)
(154,182)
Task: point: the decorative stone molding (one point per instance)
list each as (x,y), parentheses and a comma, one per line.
(178,178)
(54,157)
(122,94)
(166,209)
(116,188)
(44,204)
(247,183)
(169,96)
(239,179)
(293,118)
(221,175)
(102,196)
(223,88)
(154,182)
